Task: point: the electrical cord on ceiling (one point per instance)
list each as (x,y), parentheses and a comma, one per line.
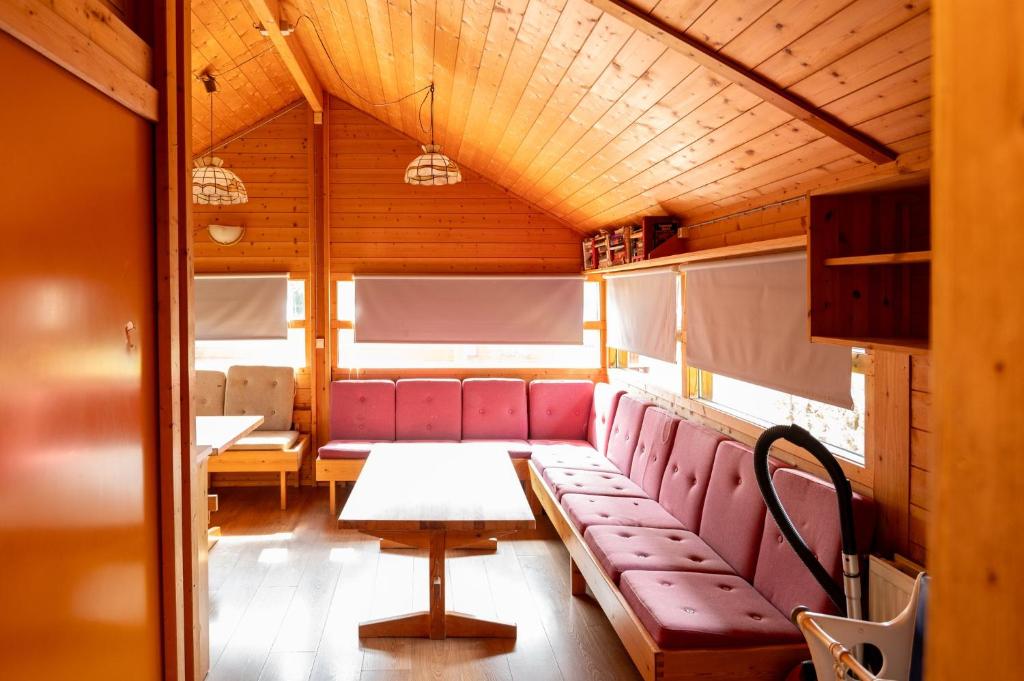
(199,76)
(429,89)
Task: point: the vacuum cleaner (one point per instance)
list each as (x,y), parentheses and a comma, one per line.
(844,646)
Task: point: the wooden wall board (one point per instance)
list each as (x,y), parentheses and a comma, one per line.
(975,552)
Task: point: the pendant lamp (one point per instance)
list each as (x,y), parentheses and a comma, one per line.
(432,167)
(212,183)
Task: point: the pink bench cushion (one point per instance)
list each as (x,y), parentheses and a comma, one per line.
(619,549)
(563,481)
(625,433)
(517,449)
(586,510)
(652,450)
(602,412)
(700,610)
(688,471)
(560,410)
(811,505)
(494,409)
(733,517)
(363,410)
(577,454)
(345,449)
(428,409)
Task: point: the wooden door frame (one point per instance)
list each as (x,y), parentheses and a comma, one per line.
(171,69)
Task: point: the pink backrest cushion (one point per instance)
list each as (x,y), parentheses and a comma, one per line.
(733,516)
(560,410)
(602,412)
(651,454)
(428,409)
(811,504)
(688,472)
(625,433)
(363,410)
(494,408)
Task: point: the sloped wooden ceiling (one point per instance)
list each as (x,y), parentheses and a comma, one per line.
(588,118)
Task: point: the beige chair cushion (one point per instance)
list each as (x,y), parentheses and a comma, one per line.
(266,391)
(267,440)
(210,393)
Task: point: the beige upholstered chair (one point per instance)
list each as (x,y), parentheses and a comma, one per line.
(247,390)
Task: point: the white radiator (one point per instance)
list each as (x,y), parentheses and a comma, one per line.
(889,590)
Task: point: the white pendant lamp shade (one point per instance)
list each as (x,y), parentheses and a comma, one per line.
(215,185)
(432,168)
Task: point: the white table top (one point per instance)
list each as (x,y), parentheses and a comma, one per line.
(437,486)
(220,432)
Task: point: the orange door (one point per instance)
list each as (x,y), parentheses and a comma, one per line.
(79,561)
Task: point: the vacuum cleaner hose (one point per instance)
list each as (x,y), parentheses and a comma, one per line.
(844,494)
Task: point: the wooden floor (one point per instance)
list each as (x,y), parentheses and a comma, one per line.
(288,589)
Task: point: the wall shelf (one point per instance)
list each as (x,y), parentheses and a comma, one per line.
(880,259)
(769,246)
(914,346)
(869,269)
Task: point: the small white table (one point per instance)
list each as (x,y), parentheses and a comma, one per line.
(220,432)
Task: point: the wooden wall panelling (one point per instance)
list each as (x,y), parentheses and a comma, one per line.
(380,224)
(888,423)
(922,457)
(975,548)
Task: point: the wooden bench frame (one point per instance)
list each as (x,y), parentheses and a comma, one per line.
(281,461)
(333,471)
(766,663)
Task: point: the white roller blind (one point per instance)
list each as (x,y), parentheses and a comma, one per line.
(505,310)
(642,313)
(239,307)
(747,319)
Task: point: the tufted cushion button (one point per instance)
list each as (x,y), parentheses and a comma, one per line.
(429,398)
(641,446)
(548,412)
(245,381)
(273,412)
(273,383)
(511,411)
(615,430)
(756,618)
(675,469)
(696,559)
(664,583)
(482,411)
(603,515)
(688,611)
(430,427)
(725,587)
(739,481)
(641,555)
(243,411)
(362,399)
(779,539)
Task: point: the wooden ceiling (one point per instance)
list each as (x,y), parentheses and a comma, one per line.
(582,114)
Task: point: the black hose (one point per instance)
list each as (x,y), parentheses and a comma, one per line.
(844,497)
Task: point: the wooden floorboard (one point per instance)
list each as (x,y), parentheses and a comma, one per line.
(288,590)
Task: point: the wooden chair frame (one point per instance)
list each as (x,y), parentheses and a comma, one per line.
(765,663)
(280,461)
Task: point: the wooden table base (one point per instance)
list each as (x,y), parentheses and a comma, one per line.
(436,623)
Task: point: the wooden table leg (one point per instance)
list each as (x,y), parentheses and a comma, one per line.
(437,623)
(437,614)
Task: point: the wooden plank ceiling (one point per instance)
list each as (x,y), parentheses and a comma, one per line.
(585,117)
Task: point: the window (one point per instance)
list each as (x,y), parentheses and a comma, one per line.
(352,355)
(218,355)
(651,372)
(841,429)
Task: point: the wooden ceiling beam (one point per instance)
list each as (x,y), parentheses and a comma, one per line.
(292,54)
(748,79)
